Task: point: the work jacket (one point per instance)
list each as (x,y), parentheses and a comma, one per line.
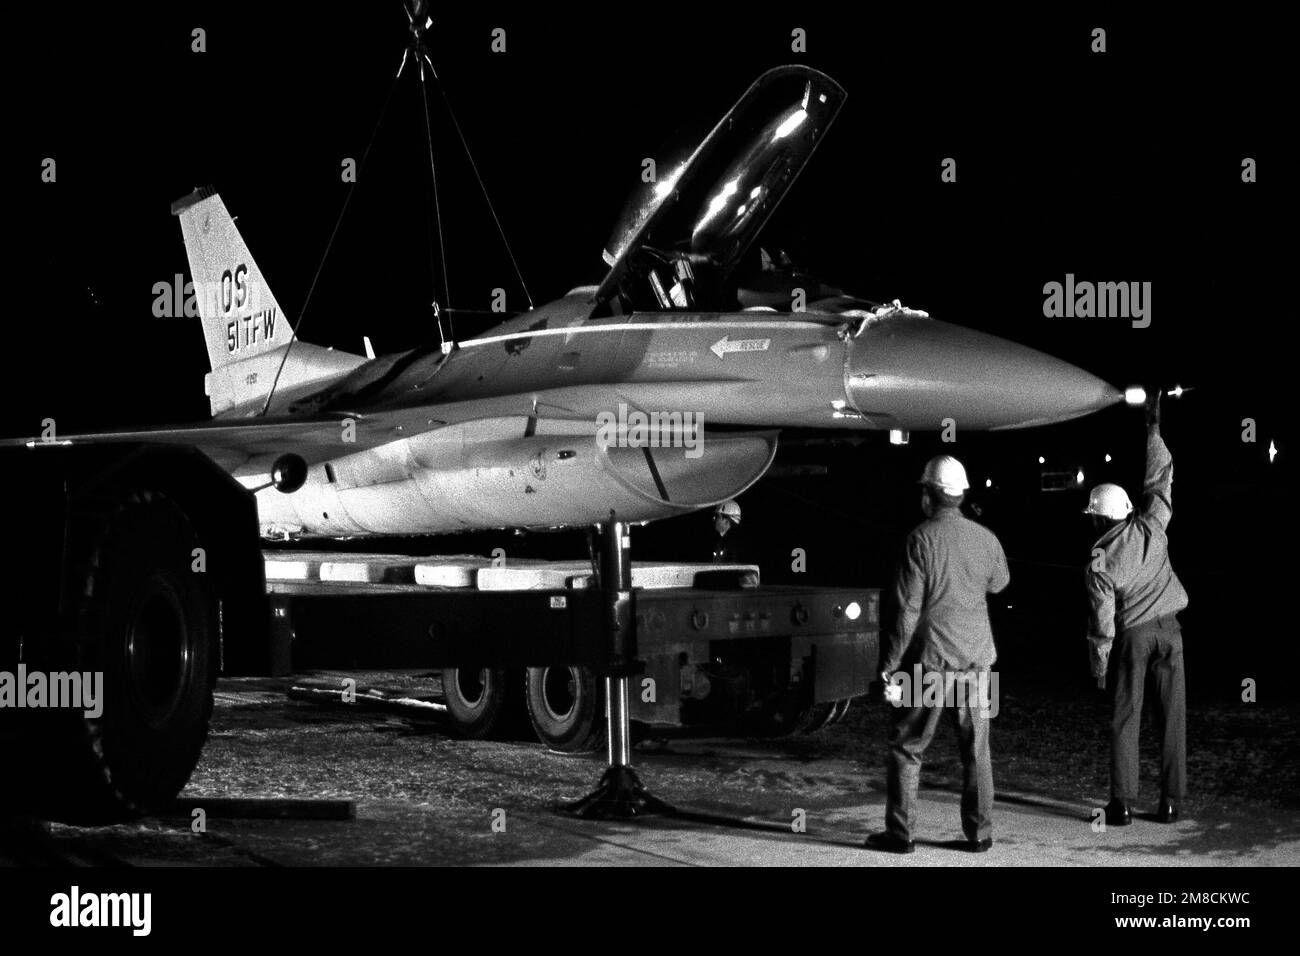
(950,565)
(1129,578)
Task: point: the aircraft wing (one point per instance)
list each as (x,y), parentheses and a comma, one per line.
(321,437)
(231,442)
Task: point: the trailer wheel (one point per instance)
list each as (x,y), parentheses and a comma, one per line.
(477,700)
(567,708)
(149,623)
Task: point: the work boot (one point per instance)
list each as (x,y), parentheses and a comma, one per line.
(1117,814)
(980,846)
(1168,812)
(889,843)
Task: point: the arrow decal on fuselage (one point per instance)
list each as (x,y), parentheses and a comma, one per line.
(725,345)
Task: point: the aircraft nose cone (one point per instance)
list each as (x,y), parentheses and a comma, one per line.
(913,373)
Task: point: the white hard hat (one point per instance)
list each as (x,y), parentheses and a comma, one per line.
(1109,501)
(728,509)
(947,474)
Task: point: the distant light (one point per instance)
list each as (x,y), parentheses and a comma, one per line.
(1108,457)
(1042,460)
(1135,395)
(988,482)
(1272,452)
(1175,392)
(1079,477)
(897,436)
(853,610)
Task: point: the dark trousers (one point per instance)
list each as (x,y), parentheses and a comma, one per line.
(914,728)
(1155,648)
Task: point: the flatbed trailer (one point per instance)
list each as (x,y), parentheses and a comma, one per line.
(712,646)
(143,578)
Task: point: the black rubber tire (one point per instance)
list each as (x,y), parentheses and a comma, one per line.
(478,701)
(566,706)
(150,624)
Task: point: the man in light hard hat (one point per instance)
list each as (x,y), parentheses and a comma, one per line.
(1134,597)
(726,518)
(950,564)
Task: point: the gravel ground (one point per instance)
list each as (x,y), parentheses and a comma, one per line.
(424,796)
(420,786)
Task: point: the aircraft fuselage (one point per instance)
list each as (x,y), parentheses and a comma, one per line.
(513,428)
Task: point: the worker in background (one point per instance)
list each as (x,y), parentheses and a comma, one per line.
(727,546)
(1134,599)
(950,564)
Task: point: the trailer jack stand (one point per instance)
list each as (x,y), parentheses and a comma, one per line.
(620,794)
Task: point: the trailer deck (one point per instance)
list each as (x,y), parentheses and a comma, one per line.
(711,644)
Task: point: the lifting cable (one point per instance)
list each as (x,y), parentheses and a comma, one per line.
(418,29)
(302,314)
(483,187)
(437,214)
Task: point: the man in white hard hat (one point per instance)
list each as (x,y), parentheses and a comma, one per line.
(1134,597)
(726,518)
(950,565)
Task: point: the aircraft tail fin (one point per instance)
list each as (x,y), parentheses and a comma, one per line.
(244,327)
(240,314)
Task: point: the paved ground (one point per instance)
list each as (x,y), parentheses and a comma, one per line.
(425,797)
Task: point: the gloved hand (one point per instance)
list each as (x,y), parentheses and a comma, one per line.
(890,691)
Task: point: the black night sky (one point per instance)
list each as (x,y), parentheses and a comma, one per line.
(1122,166)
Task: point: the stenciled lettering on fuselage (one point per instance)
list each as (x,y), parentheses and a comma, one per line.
(244,331)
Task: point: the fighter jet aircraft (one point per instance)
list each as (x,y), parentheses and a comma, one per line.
(659,391)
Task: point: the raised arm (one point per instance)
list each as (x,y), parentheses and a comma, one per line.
(1157,485)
